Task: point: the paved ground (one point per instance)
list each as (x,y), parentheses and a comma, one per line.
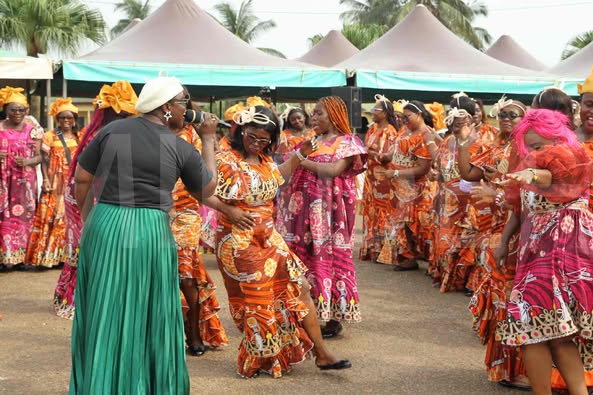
(412,340)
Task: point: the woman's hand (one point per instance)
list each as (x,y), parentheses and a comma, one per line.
(3,155)
(483,193)
(46,186)
(208,126)
(489,173)
(308,146)
(21,161)
(433,174)
(241,218)
(523,177)
(464,134)
(384,157)
(500,255)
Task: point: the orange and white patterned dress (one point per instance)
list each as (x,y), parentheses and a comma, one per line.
(186,225)
(261,275)
(405,195)
(376,202)
(48,235)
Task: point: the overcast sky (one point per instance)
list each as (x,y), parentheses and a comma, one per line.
(542,27)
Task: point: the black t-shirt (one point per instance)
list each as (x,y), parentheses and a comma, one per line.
(136,164)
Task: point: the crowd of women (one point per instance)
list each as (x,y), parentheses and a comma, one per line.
(500,213)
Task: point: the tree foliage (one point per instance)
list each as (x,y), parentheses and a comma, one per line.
(41,25)
(133,9)
(577,43)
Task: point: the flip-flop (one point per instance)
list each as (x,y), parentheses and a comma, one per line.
(510,384)
(342,364)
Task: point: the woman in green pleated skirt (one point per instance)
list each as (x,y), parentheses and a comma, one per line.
(135,247)
(127,333)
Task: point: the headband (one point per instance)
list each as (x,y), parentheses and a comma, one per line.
(244,117)
(380,98)
(405,103)
(61,105)
(287,111)
(455,113)
(12,95)
(504,102)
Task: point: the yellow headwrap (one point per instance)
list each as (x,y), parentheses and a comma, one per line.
(120,96)
(230,112)
(587,86)
(61,105)
(12,95)
(437,110)
(256,101)
(398,106)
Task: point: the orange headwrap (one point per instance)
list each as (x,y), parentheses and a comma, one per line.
(256,101)
(337,112)
(120,96)
(12,95)
(232,110)
(587,86)
(437,111)
(61,105)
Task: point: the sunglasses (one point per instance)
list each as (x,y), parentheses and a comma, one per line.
(66,118)
(376,109)
(508,115)
(16,110)
(255,140)
(406,118)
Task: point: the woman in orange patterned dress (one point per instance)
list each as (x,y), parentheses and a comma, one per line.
(268,294)
(376,210)
(48,236)
(503,364)
(452,230)
(297,130)
(199,303)
(410,161)
(486,132)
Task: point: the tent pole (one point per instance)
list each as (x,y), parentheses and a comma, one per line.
(220,109)
(211,103)
(50,119)
(64,88)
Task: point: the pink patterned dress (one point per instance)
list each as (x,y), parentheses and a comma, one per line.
(551,295)
(318,225)
(18,192)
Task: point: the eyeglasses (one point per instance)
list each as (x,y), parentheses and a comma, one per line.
(15,110)
(255,140)
(183,101)
(406,118)
(508,115)
(376,109)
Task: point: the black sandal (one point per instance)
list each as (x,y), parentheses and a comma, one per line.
(197,351)
(329,333)
(342,364)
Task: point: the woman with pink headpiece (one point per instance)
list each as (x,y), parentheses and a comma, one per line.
(550,311)
(115,101)
(20,144)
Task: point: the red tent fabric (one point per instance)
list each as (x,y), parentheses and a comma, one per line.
(332,49)
(421,43)
(181,32)
(509,51)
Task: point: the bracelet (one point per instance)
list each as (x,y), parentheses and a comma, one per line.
(300,155)
(431,142)
(396,173)
(462,143)
(534,172)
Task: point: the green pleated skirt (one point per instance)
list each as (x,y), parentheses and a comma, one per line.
(127,333)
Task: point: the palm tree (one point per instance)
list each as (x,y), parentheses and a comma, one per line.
(361,36)
(134,9)
(41,25)
(577,43)
(457,15)
(244,24)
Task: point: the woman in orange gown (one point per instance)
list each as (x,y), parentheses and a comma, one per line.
(268,294)
(48,236)
(503,364)
(297,130)
(376,208)
(200,305)
(410,161)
